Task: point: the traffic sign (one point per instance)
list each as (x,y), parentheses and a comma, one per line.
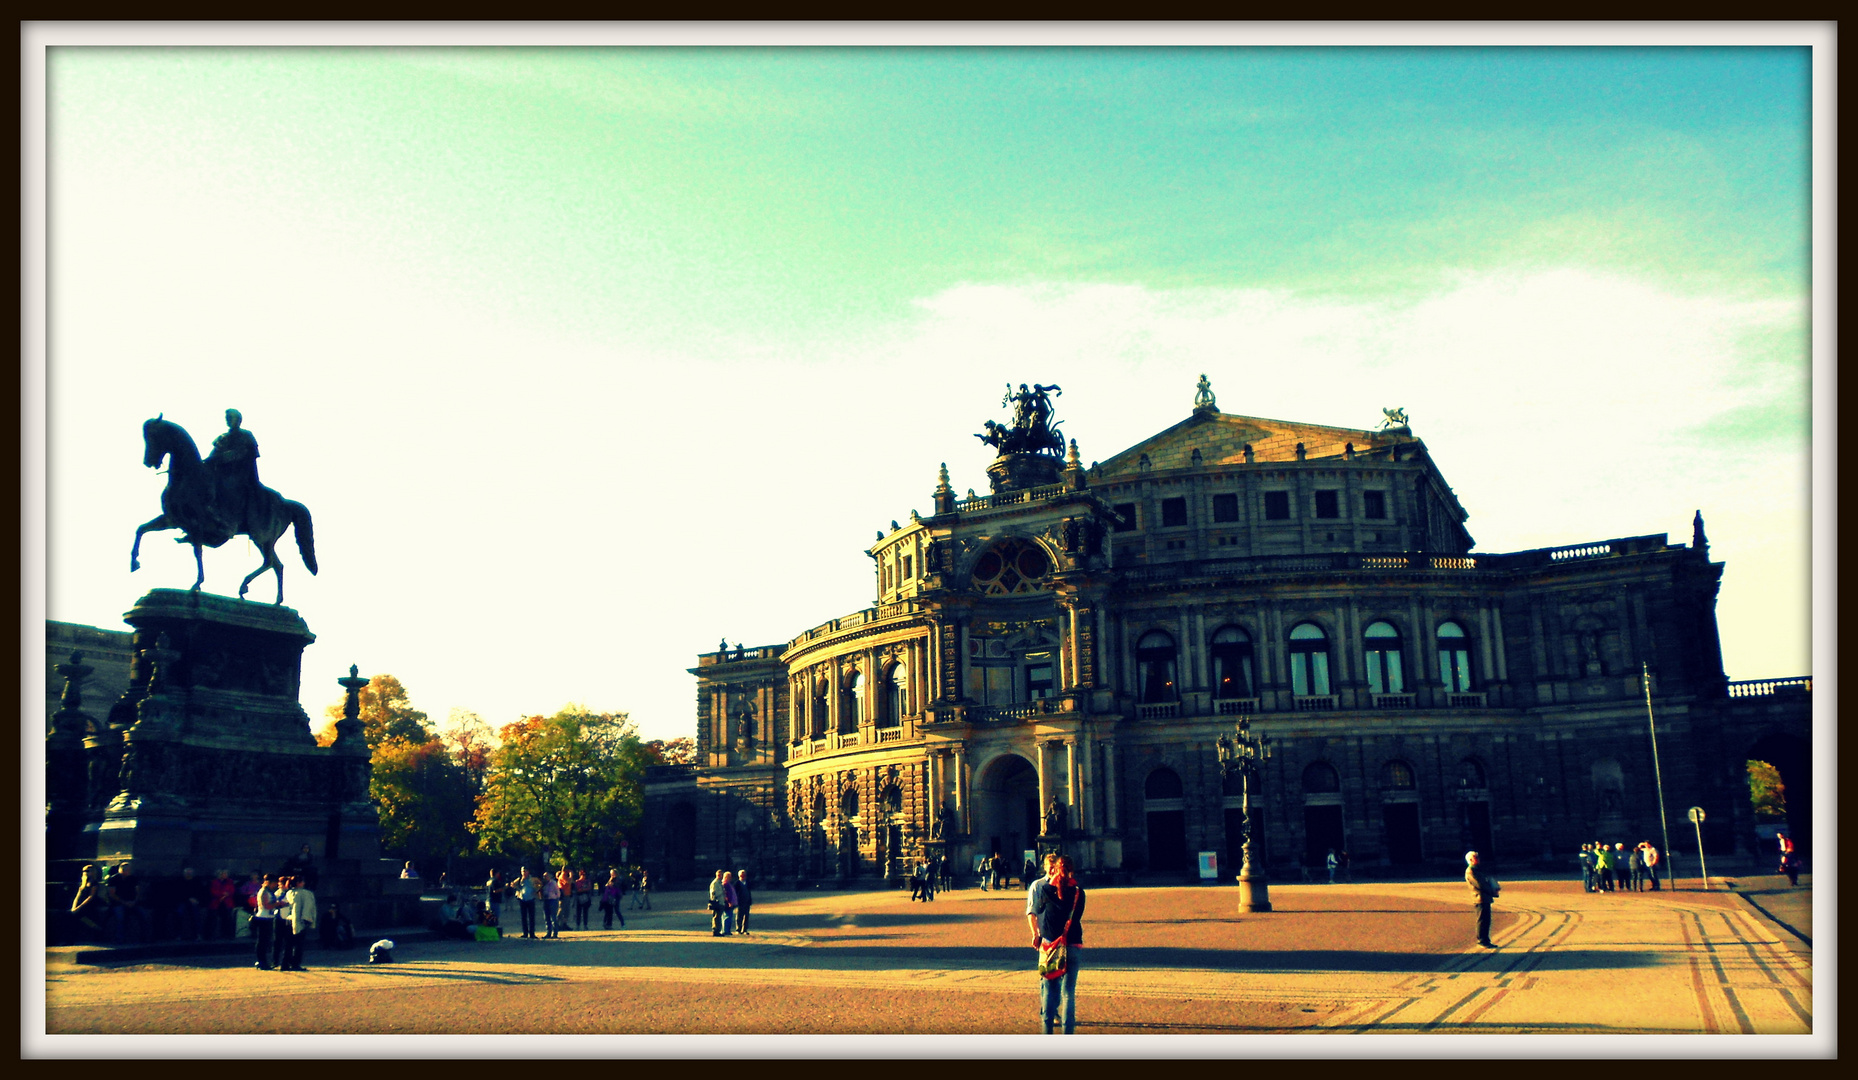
(1696,815)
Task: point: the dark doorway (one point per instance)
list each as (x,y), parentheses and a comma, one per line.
(1477,823)
(849,863)
(1167,840)
(1402,820)
(1322,830)
(681,842)
(1792,758)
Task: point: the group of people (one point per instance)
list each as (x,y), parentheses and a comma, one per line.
(1615,869)
(127,907)
(927,875)
(567,898)
(992,871)
(730,901)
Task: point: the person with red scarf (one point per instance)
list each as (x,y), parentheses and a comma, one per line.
(1055,911)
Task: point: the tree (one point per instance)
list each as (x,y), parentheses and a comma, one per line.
(571,783)
(1767,792)
(426,800)
(386,713)
(673,751)
(470,741)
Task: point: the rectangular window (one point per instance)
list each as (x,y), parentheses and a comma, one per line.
(1226,507)
(1038,676)
(1173,512)
(1328,504)
(906,567)
(1126,513)
(1374,504)
(1277,505)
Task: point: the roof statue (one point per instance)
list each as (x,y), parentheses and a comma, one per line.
(214,499)
(1395,418)
(1203,394)
(1033,431)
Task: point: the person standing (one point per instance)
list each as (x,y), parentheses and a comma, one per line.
(551,905)
(526,890)
(730,899)
(1586,857)
(611,895)
(926,868)
(743,901)
(1483,891)
(222,896)
(267,950)
(997,866)
(981,870)
(493,897)
(299,915)
(1637,862)
(1330,862)
(717,905)
(1651,864)
(1790,860)
(643,897)
(1055,912)
(1603,862)
(583,900)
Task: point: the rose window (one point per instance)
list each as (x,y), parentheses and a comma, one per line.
(1009,567)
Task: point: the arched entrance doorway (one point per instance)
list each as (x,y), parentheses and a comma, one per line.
(1165,811)
(1006,808)
(680,842)
(1792,758)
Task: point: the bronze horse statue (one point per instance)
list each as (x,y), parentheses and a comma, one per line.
(186,504)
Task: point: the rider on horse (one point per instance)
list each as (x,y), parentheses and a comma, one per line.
(233,466)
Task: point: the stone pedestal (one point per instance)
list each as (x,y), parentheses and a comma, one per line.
(218,765)
(1017,472)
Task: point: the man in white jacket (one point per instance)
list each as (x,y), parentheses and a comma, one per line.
(299,915)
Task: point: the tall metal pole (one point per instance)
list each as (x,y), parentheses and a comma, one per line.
(1645,675)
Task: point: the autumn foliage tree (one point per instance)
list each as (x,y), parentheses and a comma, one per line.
(424,792)
(571,784)
(682,751)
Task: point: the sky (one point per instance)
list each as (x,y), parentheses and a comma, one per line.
(584,358)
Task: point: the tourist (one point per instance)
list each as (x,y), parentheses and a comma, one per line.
(926,874)
(493,897)
(717,906)
(222,895)
(642,896)
(1483,891)
(583,899)
(268,948)
(526,890)
(1603,865)
(90,906)
(1790,860)
(1636,860)
(730,899)
(1651,864)
(409,872)
(1055,912)
(551,906)
(336,931)
(1330,862)
(128,899)
(998,868)
(1028,873)
(299,918)
(1622,868)
(1589,882)
(611,896)
(248,893)
(743,901)
(454,919)
(980,870)
(915,878)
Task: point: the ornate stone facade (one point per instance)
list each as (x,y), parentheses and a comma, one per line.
(1088,640)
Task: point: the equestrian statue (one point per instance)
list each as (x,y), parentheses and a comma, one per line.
(215,499)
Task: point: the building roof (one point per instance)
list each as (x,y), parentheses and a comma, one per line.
(1221,439)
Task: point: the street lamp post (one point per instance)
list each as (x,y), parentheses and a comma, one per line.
(1245,754)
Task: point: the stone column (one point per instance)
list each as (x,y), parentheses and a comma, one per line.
(961,789)
(1071,786)
(1039,754)
(1496,624)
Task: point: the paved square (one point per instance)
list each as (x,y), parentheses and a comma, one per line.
(1344,958)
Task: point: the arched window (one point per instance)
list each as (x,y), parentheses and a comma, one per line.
(848,802)
(1385,674)
(896,696)
(819,709)
(1231,653)
(1320,778)
(1163,783)
(1454,658)
(893,800)
(1011,566)
(851,704)
(1154,660)
(1398,776)
(1309,660)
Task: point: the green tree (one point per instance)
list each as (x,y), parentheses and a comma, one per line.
(571,783)
(426,800)
(386,713)
(1766,791)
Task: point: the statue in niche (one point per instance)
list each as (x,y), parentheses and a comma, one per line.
(1054,817)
